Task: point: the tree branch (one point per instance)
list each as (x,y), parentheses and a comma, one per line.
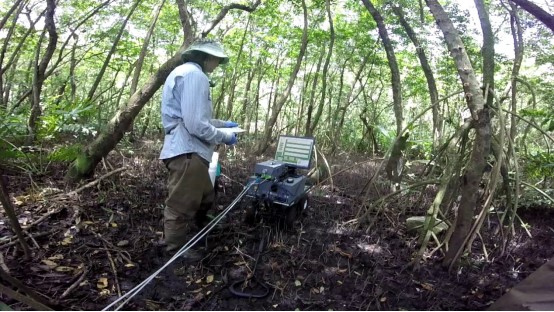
(226,10)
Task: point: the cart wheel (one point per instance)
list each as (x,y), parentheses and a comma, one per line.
(302,204)
(291,215)
(252,212)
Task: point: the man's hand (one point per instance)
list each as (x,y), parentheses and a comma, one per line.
(233,140)
(230,124)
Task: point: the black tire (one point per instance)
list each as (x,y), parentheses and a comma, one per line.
(251,215)
(291,215)
(302,204)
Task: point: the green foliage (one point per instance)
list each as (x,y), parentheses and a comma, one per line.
(12,125)
(65,154)
(27,158)
(546,116)
(67,118)
(539,164)
(419,149)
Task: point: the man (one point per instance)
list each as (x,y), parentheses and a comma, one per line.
(190,137)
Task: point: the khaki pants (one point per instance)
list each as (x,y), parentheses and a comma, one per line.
(191,195)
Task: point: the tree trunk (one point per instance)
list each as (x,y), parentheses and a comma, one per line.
(264,143)
(394,163)
(517,34)
(244,107)
(84,164)
(393,64)
(256,109)
(39,72)
(236,70)
(312,98)
(325,69)
(10,212)
(342,108)
(427,71)
(481,145)
(487,51)
(4,91)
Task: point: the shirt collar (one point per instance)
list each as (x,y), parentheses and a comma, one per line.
(195,64)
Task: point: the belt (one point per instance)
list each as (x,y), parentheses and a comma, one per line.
(189,156)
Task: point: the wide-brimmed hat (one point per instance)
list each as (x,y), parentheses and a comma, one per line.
(209,47)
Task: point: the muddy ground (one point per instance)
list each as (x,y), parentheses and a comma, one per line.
(92,246)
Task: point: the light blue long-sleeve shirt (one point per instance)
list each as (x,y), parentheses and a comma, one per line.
(187,114)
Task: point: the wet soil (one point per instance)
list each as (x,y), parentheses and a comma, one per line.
(100,243)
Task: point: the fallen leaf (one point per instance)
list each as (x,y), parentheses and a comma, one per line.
(427,286)
(209,278)
(102,283)
(56,257)
(342,252)
(198,297)
(63,269)
(51,264)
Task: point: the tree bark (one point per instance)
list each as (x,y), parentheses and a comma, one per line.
(481,146)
